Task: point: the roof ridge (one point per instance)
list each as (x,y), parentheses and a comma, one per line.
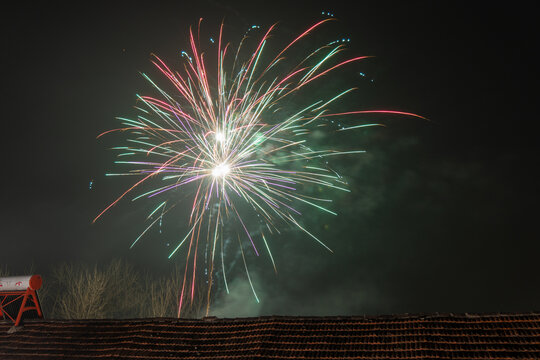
(400,316)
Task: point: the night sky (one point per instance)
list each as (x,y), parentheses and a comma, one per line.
(442,216)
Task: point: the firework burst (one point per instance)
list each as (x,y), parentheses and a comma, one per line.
(222,134)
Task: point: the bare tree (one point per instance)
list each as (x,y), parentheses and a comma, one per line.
(4,271)
(163,295)
(117,290)
(81,292)
(92,292)
(123,292)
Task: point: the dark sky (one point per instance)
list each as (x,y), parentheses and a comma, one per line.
(443,213)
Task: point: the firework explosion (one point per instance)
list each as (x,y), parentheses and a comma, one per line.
(223,136)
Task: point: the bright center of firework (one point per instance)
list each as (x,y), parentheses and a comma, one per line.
(220,137)
(221,170)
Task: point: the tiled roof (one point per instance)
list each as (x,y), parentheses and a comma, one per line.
(434,336)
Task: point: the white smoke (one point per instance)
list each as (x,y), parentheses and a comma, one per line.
(239,302)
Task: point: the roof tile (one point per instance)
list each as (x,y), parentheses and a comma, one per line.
(442,336)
